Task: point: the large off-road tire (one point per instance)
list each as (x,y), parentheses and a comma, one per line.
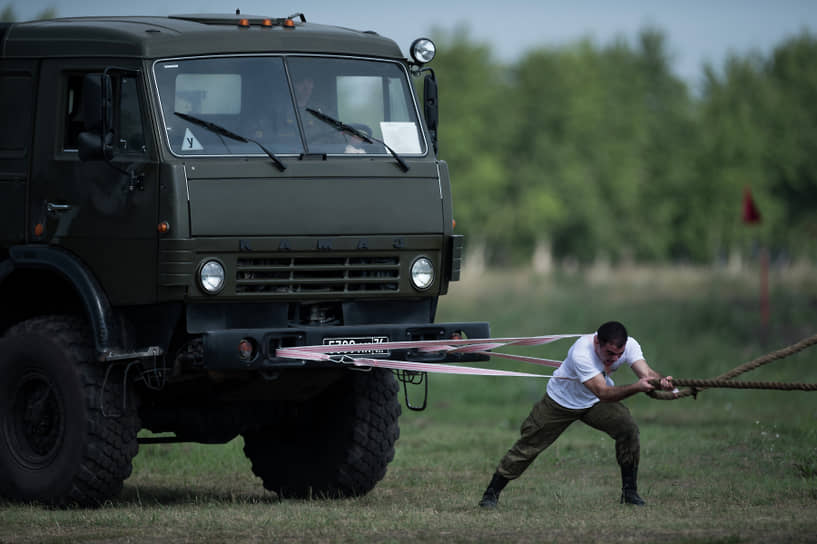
(66,436)
(337,445)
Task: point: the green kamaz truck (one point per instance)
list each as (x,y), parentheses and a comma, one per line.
(181,197)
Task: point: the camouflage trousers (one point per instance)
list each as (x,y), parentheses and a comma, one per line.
(548,419)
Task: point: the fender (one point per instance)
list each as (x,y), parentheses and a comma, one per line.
(97,306)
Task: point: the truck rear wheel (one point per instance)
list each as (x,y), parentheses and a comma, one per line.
(337,445)
(66,437)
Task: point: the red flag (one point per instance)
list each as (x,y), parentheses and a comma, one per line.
(751,215)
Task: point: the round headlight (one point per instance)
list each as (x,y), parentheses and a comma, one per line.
(422,273)
(211,277)
(423,50)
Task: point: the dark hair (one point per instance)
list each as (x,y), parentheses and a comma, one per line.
(612,332)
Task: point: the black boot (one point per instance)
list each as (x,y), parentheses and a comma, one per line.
(629,488)
(491,496)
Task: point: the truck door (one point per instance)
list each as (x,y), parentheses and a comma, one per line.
(105,212)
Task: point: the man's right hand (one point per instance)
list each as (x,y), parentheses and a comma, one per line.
(644,385)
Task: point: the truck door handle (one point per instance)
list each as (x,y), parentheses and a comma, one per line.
(54,208)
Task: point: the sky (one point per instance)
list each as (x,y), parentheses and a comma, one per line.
(697,31)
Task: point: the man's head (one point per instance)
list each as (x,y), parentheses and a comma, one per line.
(303,91)
(609,342)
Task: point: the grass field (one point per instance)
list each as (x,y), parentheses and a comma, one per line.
(731,466)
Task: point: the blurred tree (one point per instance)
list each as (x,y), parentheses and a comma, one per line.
(47,13)
(758,130)
(733,144)
(791,157)
(601,150)
(667,153)
(9,15)
(472,107)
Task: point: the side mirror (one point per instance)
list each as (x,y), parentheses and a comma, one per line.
(95,140)
(430,106)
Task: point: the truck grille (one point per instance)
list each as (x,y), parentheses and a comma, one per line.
(276,275)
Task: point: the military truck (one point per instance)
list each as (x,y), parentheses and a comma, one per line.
(181,197)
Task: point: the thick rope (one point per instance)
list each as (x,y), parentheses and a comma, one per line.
(725,380)
(732,384)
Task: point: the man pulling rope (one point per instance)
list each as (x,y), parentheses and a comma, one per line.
(588,394)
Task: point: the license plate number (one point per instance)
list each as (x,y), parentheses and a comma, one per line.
(354,340)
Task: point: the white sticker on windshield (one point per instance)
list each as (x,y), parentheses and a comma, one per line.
(402,137)
(190,142)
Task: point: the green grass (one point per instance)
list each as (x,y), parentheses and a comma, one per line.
(731,466)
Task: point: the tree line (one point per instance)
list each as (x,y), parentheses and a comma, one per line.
(588,151)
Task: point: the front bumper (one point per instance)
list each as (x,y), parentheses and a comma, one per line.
(221,347)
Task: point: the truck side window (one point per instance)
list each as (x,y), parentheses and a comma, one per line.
(129,133)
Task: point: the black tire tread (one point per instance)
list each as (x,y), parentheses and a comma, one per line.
(350,441)
(111,442)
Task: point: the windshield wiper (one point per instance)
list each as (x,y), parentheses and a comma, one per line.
(218,129)
(349,129)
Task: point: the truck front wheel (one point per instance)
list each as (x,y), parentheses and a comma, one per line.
(337,445)
(66,436)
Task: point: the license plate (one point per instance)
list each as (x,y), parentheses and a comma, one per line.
(354,340)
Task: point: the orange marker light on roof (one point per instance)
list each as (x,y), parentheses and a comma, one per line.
(289,23)
(244,23)
(266,23)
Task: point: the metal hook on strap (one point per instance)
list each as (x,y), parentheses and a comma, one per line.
(342,359)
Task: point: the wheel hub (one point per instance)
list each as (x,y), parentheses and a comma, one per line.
(37,424)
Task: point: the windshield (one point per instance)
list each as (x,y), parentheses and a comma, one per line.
(266,98)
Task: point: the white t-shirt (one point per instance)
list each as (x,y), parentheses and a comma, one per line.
(581,364)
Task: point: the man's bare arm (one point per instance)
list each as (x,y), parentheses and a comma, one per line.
(606,393)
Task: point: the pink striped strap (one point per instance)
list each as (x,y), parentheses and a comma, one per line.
(340,354)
